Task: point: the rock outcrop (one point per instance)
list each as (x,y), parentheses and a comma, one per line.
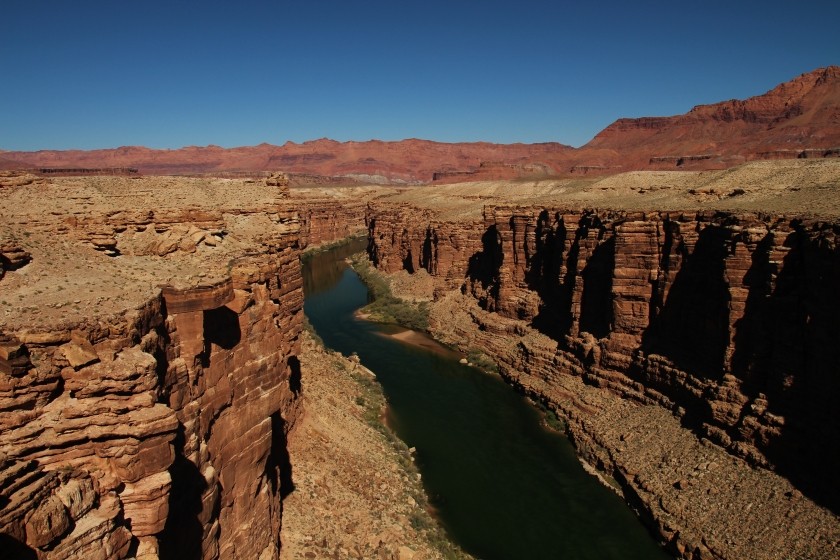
(716,331)
(145,414)
(18,179)
(12,257)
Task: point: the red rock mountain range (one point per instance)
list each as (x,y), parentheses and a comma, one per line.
(799,118)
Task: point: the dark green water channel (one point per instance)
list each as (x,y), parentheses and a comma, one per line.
(503,486)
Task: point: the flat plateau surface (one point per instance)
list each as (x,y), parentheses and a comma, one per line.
(183,230)
(802,187)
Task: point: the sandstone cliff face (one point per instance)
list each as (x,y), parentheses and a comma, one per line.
(232,387)
(156,429)
(733,319)
(160,430)
(728,321)
(323,222)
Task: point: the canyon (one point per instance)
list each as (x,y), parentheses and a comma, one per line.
(150,366)
(683,324)
(669,290)
(797,119)
(692,352)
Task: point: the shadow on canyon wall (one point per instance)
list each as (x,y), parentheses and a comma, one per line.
(803,328)
(183,533)
(294,375)
(278,467)
(692,326)
(785,348)
(483,269)
(13,549)
(543,276)
(596,310)
(221,327)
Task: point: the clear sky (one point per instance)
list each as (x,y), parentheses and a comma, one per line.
(100,74)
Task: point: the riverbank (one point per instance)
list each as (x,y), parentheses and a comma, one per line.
(387,307)
(701,500)
(412,337)
(502,485)
(356,491)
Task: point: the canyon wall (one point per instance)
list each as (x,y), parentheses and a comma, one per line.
(729,323)
(323,222)
(159,430)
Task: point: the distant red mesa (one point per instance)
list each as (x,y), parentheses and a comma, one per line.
(799,118)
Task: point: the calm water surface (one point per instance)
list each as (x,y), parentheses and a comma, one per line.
(503,486)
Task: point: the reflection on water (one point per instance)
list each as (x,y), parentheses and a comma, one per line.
(322,271)
(502,485)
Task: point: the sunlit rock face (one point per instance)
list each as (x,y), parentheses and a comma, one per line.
(145,395)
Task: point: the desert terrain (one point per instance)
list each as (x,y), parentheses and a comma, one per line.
(669,290)
(86,257)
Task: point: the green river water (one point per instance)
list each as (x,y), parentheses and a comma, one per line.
(502,485)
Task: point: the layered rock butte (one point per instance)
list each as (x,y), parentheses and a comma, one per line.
(797,119)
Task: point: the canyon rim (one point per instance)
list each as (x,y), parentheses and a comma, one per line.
(670,290)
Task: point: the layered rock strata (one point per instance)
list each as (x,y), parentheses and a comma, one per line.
(148,416)
(666,339)
(323,222)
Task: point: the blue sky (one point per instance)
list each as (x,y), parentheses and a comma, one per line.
(100,74)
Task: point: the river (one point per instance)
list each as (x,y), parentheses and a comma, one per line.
(503,486)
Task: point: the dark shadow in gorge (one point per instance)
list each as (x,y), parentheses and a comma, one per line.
(221,327)
(278,467)
(427,257)
(408,262)
(596,310)
(786,347)
(752,345)
(556,288)
(181,538)
(554,318)
(294,375)
(483,269)
(801,377)
(692,327)
(13,549)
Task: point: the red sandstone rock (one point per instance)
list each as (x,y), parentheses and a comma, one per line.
(372,161)
(161,428)
(795,119)
(322,222)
